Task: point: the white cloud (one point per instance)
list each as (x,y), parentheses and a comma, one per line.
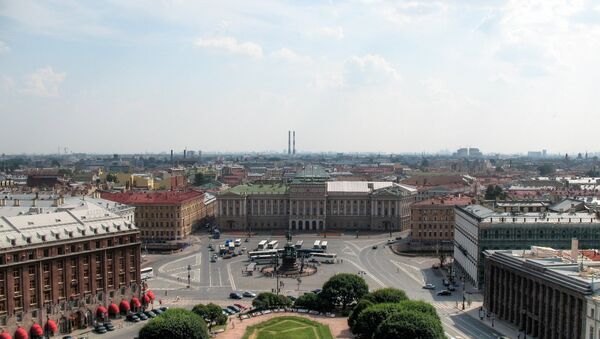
(231,45)
(8,83)
(330,32)
(44,82)
(4,48)
(374,63)
(289,55)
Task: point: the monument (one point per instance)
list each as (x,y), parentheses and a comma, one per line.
(289,258)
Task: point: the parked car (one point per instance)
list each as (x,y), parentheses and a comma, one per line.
(444,292)
(109,326)
(234,309)
(240,306)
(451,288)
(374,247)
(446,282)
(249,294)
(100,329)
(142,316)
(317,291)
(163,308)
(292,298)
(150,314)
(132,317)
(228,311)
(157,312)
(235,295)
(429,287)
(213,258)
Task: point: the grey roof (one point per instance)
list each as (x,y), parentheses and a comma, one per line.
(477,210)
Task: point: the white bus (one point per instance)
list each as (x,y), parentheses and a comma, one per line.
(328,258)
(265,252)
(299,244)
(263,259)
(273,244)
(324,245)
(317,244)
(146,273)
(262,245)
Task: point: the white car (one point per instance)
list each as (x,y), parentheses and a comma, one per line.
(429,287)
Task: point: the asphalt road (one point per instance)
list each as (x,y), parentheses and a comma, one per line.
(212,282)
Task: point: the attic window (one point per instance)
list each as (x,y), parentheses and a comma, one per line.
(83,217)
(28,240)
(43,238)
(13,242)
(30,223)
(71,234)
(57,220)
(83,232)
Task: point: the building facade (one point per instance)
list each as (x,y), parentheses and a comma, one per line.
(432,220)
(312,203)
(478,229)
(164,216)
(61,270)
(544,297)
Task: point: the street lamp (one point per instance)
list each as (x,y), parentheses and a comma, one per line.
(189,269)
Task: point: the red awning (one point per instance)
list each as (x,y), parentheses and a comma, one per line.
(20,333)
(150,295)
(113,309)
(51,326)
(145,299)
(101,311)
(136,302)
(5,335)
(36,330)
(124,306)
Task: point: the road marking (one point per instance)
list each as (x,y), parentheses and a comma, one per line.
(220,279)
(231,282)
(368,273)
(418,279)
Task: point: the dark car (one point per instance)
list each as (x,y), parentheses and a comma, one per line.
(446,282)
(451,288)
(249,294)
(142,316)
(317,291)
(109,326)
(133,318)
(157,312)
(374,247)
(234,308)
(150,314)
(163,308)
(100,329)
(228,311)
(234,295)
(444,292)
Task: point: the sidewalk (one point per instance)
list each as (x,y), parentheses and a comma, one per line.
(499,325)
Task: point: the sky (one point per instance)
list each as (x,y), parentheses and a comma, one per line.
(133,76)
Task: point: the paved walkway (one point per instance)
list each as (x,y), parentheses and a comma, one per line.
(338,326)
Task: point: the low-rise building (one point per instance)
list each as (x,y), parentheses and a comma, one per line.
(432,220)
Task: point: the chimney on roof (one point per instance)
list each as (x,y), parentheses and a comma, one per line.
(574,249)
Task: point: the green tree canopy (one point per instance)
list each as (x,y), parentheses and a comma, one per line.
(386,295)
(310,301)
(344,289)
(363,304)
(494,192)
(110,177)
(367,321)
(268,300)
(200,179)
(407,324)
(211,313)
(175,323)
(546,169)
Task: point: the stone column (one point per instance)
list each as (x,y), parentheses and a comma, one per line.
(561,312)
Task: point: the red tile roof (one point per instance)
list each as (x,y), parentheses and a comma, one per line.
(152,198)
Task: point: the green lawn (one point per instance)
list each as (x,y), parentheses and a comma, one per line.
(288,328)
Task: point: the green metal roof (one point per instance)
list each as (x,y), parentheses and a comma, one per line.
(258,189)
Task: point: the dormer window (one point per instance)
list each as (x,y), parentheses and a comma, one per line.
(43,238)
(70,234)
(57,220)
(30,223)
(13,242)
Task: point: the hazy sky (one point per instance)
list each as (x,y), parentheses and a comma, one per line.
(397,76)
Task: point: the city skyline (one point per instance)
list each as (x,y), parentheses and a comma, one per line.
(357,76)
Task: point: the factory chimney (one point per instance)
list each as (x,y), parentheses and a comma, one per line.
(184,153)
(294,143)
(289,142)
(171,158)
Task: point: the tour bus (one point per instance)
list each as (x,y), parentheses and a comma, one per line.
(317,244)
(273,244)
(262,245)
(238,242)
(299,244)
(265,252)
(263,259)
(230,244)
(146,273)
(324,245)
(328,258)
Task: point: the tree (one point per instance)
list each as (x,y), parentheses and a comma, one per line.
(211,313)
(362,305)
(200,179)
(310,301)
(369,319)
(419,306)
(268,300)
(494,192)
(175,323)
(110,177)
(344,289)
(386,295)
(408,324)
(546,169)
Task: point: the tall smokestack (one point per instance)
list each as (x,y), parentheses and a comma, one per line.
(184,153)
(294,143)
(289,142)
(171,158)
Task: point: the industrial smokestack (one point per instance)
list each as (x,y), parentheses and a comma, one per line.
(294,143)
(289,142)
(184,153)
(171,158)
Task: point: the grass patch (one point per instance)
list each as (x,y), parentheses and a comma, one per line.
(288,328)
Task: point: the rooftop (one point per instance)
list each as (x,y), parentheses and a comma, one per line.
(488,216)
(258,189)
(450,201)
(152,198)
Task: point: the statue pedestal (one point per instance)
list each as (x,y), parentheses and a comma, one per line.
(289,260)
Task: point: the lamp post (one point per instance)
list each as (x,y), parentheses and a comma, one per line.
(189,269)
